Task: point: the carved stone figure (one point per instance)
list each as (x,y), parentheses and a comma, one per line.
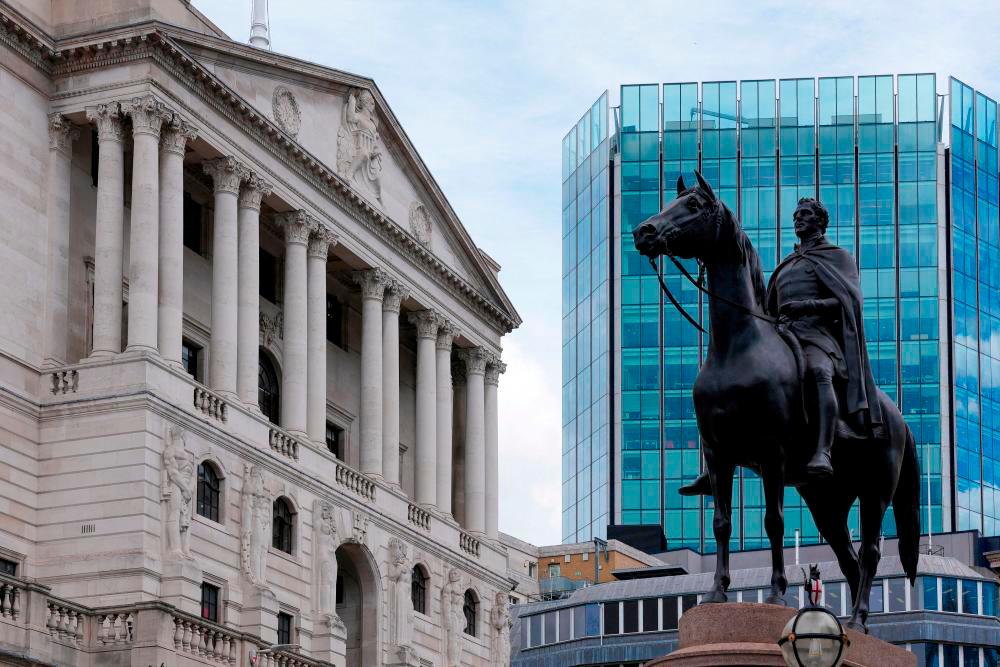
(285,110)
(400,602)
(453,617)
(500,622)
(359,157)
(327,540)
(360,532)
(787,391)
(420,223)
(255,534)
(178,489)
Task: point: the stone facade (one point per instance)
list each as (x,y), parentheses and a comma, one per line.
(182,211)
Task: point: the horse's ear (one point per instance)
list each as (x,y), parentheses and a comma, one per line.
(680,186)
(704,185)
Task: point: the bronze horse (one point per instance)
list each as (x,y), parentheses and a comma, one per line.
(749,406)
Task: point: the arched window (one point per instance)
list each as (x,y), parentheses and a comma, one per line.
(268,389)
(282,526)
(471,609)
(209,487)
(418,588)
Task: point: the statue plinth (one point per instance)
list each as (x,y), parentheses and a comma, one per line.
(746,634)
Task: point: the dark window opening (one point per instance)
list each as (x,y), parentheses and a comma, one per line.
(471,610)
(418,589)
(194,225)
(208,491)
(284,628)
(210,602)
(335,440)
(339,595)
(268,276)
(282,526)
(8,567)
(95,156)
(334,321)
(268,389)
(191,358)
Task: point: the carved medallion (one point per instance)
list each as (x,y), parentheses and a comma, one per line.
(285,110)
(420,223)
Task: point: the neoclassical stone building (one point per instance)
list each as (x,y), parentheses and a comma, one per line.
(249,360)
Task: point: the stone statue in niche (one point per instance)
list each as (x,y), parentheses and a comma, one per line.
(255,526)
(178,489)
(420,224)
(500,623)
(326,563)
(285,110)
(400,601)
(359,157)
(453,618)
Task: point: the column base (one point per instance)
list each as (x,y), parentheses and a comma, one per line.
(102,354)
(141,349)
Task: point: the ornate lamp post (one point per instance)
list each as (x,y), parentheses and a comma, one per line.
(814,636)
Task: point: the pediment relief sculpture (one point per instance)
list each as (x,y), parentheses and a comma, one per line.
(420,224)
(359,156)
(285,110)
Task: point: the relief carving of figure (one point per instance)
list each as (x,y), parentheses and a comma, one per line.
(178,489)
(359,157)
(453,618)
(400,601)
(326,555)
(500,622)
(255,527)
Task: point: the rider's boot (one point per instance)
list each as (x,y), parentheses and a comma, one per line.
(702,486)
(820,466)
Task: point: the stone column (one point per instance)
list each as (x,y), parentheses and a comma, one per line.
(444,398)
(475,441)
(372,282)
(319,247)
(252,192)
(297,225)
(395,293)
(109,233)
(425,461)
(170,319)
(459,393)
(226,175)
(492,422)
(62,133)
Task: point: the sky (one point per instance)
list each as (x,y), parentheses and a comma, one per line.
(487,90)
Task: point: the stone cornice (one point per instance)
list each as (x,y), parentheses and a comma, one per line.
(151,40)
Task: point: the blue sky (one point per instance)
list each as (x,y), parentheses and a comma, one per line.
(487,90)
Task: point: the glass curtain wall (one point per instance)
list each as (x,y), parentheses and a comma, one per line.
(586,326)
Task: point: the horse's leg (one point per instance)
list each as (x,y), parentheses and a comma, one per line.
(830,511)
(721,476)
(772,477)
(872,510)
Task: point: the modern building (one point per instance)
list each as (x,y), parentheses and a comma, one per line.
(906,165)
(249,360)
(949,619)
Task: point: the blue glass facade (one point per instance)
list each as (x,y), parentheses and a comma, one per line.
(912,194)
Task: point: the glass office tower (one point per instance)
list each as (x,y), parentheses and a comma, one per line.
(910,177)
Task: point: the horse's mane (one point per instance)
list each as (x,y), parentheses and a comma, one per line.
(747,254)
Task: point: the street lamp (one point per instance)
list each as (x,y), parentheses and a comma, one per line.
(814,636)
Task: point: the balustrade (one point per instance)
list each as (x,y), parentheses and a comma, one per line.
(115,628)
(284,444)
(210,404)
(354,481)
(469,544)
(418,516)
(202,639)
(64,622)
(64,382)
(10,600)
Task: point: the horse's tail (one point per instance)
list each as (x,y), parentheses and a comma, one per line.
(906,507)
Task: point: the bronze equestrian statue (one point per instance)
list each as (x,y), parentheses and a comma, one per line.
(787,390)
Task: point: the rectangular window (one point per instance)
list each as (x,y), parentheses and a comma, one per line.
(8,567)
(631,616)
(895,598)
(284,628)
(335,440)
(670,613)
(210,602)
(611,618)
(334,321)
(949,594)
(191,358)
(194,225)
(970,597)
(268,276)
(553,569)
(650,614)
(930,593)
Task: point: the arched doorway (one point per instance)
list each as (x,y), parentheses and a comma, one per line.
(358,594)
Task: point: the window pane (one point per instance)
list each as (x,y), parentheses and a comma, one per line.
(611,618)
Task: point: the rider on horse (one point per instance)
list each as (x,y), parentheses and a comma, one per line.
(816,294)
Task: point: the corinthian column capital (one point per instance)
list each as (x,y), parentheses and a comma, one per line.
(395,294)
(62,133)
(148,114)
(427,323)
(226,173)
(175,134)
(298,225)
(445,334)
(372,283)
(108,119)
(320,242)
(475,359)
(494,367)
(254,190)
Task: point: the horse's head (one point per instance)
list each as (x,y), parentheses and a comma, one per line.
(687,227)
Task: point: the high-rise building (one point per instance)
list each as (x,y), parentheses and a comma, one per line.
(908,172)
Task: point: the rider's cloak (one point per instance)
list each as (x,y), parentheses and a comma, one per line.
(835,268)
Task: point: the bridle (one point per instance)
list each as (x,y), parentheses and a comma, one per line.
(699,283)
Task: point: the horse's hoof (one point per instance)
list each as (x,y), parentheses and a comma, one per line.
(775,599)
(714,597)
(857,627)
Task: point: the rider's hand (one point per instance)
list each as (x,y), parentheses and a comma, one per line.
(794,308)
